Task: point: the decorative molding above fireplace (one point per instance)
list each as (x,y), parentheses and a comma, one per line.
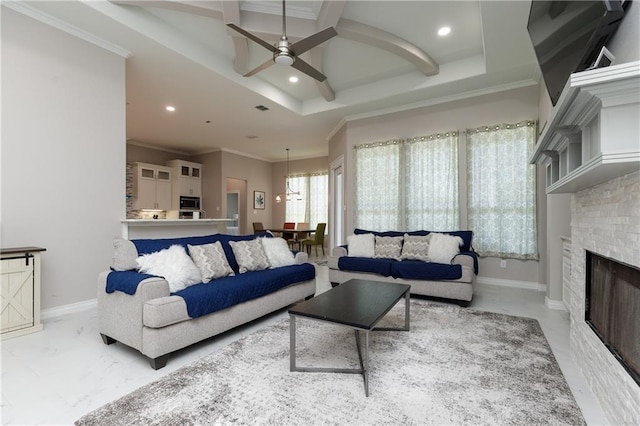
(592,134)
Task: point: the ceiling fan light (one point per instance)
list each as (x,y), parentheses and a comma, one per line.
(283,59)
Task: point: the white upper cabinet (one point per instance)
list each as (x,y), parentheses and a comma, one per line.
(151,187)
(187,180)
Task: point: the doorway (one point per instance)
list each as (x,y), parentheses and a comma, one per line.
(236,208)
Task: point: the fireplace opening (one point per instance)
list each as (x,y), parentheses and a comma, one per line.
(612,308)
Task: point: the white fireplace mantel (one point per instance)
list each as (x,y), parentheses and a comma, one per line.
(593,134)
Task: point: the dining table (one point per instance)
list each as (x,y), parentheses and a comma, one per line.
(299,234)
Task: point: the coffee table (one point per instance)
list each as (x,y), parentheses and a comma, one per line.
(357,304)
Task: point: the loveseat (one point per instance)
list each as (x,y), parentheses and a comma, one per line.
(156,316)
(440,265)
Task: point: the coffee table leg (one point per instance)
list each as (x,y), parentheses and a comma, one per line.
(406,311)
(292,343)
(364,358)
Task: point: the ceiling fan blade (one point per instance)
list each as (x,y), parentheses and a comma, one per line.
(247,34)
(301,46)
(304,67)
(259,68)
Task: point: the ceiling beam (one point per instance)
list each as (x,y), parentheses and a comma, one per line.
(193,7)
(376,37)
(329,16)
(231,15)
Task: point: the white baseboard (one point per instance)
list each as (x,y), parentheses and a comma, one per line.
(554,304)
(47,314)
(527,285)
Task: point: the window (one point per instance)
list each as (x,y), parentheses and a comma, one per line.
(501,198)
(408,184)
(312,205)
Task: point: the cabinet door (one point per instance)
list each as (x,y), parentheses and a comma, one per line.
(17,294)
(163,195)
(146,198)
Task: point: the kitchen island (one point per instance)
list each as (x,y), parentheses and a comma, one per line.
(171,228)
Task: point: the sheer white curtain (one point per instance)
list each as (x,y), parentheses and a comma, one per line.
(501,190)
(314,193)
(431,182)
(408,184)
(378,191)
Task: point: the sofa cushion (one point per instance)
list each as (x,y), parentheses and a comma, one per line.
(173,264)
(388,247)
(443,248)
(210,260)
(250,255)
(124,255)
(202,299)
(415,247)
(366,264)
(145,246)
(278,252)
(419,270)
(361,245)
(467,236)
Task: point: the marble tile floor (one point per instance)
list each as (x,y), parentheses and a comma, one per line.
(57,375)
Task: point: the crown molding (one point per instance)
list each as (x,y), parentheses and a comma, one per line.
(45,18)
(158,148)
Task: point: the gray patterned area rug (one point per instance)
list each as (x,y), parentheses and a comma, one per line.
(455,366)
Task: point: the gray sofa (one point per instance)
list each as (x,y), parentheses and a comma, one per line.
(156,323)
(459,290)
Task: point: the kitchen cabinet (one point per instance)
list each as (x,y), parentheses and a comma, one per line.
(20,289)
(187,180)
(151,187)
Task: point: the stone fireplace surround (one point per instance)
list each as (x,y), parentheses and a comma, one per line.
(605,219)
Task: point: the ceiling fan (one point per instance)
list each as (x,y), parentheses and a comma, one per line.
(286,53)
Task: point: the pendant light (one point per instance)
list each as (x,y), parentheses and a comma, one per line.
(288,192)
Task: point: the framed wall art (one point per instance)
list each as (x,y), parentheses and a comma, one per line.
(258,200)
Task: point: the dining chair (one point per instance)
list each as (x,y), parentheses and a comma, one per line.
(316,240)
(290,236)
(258,227)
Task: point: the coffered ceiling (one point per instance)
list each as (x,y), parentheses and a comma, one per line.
(387,56)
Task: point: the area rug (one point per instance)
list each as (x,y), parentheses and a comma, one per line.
(455,366)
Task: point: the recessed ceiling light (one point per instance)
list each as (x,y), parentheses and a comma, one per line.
(293,79)
(444,31)
(170,108)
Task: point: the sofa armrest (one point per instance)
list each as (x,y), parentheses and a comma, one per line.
(301,257)
(120,314)
(464,260)
(339,251)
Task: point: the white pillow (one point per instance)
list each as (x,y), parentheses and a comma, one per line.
(278,252)
(174,264)
(361,245)
(443,248)
(210,260)
(250,255)
(416,247)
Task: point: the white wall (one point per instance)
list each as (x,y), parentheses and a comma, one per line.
(63,154)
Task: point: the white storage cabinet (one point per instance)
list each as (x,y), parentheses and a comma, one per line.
(187,180)
(151,187)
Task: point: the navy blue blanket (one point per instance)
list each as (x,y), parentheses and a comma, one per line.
(419,270)
(202,299)
(125,281)
(366,264)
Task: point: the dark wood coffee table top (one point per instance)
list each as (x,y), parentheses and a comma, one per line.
(356,303)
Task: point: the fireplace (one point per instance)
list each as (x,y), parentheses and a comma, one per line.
(612,308)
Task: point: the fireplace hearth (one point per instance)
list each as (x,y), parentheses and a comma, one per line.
(612,308)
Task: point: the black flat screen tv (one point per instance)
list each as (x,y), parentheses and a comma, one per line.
(567,36)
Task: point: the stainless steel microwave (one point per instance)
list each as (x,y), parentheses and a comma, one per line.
(189,203)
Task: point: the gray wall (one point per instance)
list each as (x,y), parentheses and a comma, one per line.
(63,154)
